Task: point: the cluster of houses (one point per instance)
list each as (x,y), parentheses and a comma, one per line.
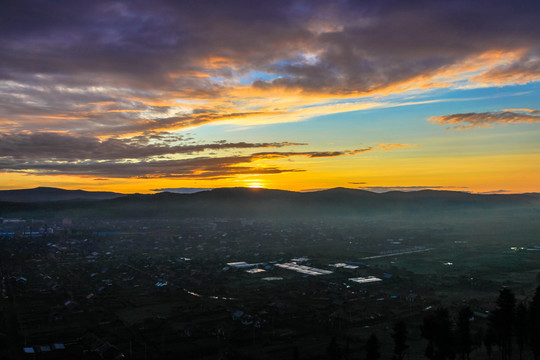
(141,286)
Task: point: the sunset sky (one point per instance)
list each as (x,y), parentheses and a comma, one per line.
(142,96)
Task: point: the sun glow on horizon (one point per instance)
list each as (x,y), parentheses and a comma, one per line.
(255,184)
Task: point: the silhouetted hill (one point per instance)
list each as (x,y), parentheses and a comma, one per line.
(41,194)
(244,202)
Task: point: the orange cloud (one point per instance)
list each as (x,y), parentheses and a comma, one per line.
(188,73)
(522,71)
(524,110)
(125,111)
(64,117)
(100,103)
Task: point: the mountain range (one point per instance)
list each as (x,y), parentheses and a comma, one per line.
(245,202)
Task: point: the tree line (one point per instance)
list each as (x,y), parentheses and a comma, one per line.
(513,329)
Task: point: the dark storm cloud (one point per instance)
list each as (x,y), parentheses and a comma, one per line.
(392,42)
(162,45)
(486,119)
(136,42)
(56,57)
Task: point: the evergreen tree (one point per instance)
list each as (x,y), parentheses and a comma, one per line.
(489,341)
(429,326)
(437,329)
(296,353)
(478,338)
(430,351)
(502,322)
(372,348)
(521,325)
(463,332)
(534,324)
(399,335)
(333,350)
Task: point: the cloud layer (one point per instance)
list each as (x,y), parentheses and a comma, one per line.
(102,89)
(131,66)
(162,155)
(64,147)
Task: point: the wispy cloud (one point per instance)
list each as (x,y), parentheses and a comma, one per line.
(486,119)
(531,111)
(390,146)
(310,154)
(495,192)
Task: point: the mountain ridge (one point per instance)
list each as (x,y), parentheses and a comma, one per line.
(271,203)
(51,194)
(47,194)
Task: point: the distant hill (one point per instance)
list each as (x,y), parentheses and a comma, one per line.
(264,203)
(42,194)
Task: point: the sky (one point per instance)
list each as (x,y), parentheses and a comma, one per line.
(146,96)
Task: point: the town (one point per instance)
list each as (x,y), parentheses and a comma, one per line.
(240,288)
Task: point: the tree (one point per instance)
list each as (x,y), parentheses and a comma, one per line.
(463,332)
(429,326)
(372,348)
(534,323)
(399,335)
(437,329)
(502,322)
(478,338)
(489,340)
(333,350)
(430,351)
(521,325)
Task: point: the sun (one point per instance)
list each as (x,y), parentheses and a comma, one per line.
(255,184)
